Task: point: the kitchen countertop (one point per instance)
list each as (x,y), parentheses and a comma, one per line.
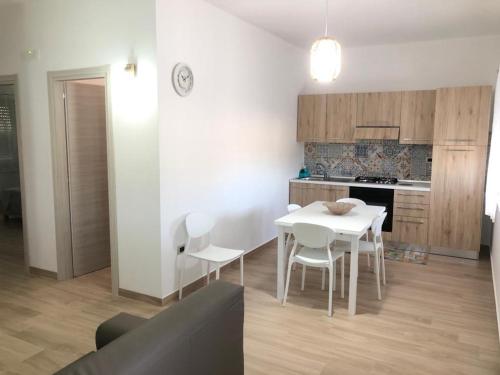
(401,185)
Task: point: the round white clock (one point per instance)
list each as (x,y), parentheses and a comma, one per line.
(182,79)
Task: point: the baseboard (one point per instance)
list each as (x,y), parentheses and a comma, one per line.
(42,273)
(495,291)
(200,282)
(141,297)
(469,254)
(191,287)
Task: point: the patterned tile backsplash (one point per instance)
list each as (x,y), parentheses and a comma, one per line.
(373,158)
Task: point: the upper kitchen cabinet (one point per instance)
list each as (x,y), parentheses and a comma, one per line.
(462,116)
(311,122)
(417,117)
(379,109)
(341,118)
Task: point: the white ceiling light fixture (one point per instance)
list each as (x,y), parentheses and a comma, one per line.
(326,56)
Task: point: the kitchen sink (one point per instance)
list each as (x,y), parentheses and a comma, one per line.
(331,179)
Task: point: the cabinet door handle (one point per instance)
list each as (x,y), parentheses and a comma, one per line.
(412,195)
(409,221)
(416,139)
(411,208)
(459,150)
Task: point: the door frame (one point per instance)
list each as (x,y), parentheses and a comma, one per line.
(60,170)
(13,80)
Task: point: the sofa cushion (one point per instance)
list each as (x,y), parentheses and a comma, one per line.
(115,327)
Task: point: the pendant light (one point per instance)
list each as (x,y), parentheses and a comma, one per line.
(325,56)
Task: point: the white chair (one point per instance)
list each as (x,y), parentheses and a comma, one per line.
(312,247)
(357,202)
(375,247)
(291,208)
(199,226)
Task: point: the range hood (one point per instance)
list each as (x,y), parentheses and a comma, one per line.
(376,132)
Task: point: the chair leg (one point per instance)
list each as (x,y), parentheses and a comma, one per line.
(368,259)
(323,271)
(241,270)
(287,282)
(377,274)
(382,256)
(330,289)
(208,273)
(334,276)
(217,272)
(181,275)
(302,285)
(342,265)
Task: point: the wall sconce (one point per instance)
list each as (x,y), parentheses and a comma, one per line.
(131,69)
(31,54)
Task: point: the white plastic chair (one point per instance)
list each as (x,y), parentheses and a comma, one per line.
(312,248)
(291,208)
(375,247)
(357,202)
(198,226)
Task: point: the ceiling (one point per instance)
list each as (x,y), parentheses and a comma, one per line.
(369,22)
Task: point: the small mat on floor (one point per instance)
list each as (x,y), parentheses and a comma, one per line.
(406,253)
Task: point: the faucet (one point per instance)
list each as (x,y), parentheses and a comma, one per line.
(321,169)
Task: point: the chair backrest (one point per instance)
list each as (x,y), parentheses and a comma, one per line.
(293,207)
(356,201)
(377,225)
(199,224)
(313,235)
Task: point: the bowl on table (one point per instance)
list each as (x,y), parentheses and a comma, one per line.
(339,208)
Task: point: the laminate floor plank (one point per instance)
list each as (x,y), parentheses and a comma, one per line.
(437,318)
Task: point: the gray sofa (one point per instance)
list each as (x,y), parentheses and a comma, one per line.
(202,334)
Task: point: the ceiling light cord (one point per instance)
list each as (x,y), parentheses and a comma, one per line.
(326,18)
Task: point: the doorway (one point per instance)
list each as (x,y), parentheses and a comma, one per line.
(83,183)
(12,249)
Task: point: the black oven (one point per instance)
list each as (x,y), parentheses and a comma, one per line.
(376,197)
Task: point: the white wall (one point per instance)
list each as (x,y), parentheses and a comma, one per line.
(421,65)
(495,263)
(229,148)
(72,34)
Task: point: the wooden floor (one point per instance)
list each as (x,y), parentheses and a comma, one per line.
(437,318)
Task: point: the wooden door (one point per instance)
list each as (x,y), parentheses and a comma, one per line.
(311,121)
(340,118)
(379,109)
(88,176)
(417,117)
(462,116)
(458,177)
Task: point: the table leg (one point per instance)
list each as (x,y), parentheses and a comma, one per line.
(353,277)
(280,287)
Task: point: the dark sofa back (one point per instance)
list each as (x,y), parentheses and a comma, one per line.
(202,334)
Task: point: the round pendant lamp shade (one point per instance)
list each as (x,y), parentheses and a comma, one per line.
(326,59)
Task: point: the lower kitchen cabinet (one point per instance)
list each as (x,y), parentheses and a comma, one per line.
(303,193)
(411,230)
(332,193)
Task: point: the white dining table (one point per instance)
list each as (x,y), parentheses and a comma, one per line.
(351,226)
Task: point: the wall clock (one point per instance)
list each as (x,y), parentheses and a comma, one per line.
(182,79)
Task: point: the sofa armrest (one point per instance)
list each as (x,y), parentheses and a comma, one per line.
(115,327)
